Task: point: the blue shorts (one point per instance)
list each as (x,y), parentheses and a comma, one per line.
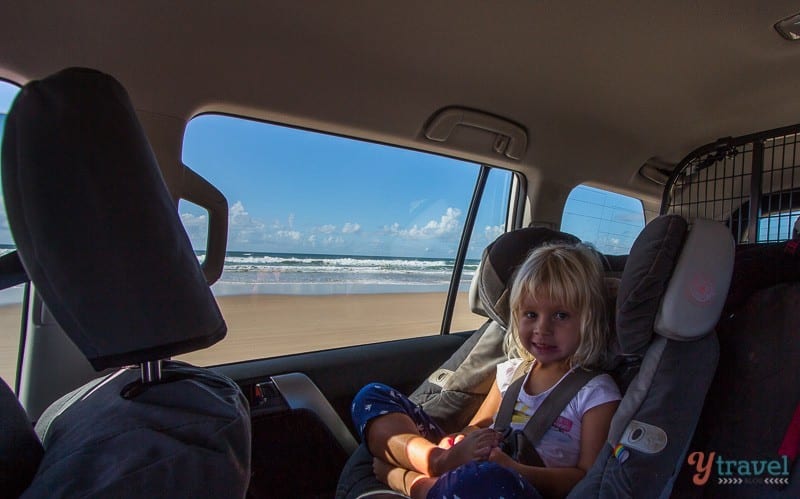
(482,480)
(377,399)
(476,479)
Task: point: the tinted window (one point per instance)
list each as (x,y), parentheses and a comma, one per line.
(608,220)
(778,227)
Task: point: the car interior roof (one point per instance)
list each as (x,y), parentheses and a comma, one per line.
(599,87)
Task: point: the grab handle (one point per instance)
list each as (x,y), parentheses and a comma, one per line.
(511,140)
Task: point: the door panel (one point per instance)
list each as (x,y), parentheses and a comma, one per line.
(298,446)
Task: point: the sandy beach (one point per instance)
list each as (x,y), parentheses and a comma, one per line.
(268,325)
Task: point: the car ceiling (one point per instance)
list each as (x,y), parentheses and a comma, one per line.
(599,86)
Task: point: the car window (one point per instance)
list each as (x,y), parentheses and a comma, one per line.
(778,226)
(332,241)
(608,220)
(11,298)
(490,223)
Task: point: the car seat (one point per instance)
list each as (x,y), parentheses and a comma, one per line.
(100,238)
(752,412)
(671,294)
(453,393)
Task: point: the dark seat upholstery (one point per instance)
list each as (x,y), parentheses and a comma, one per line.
(100,238)
(755,393)
(20,449)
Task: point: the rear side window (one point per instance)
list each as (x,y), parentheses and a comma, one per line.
(333,241)
(608,220)
(11,298)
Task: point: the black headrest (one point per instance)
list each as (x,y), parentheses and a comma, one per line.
(95,227)
(501,259)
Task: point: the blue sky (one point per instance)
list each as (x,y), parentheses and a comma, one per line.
(292,191)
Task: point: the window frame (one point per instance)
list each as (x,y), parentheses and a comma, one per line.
(515,207)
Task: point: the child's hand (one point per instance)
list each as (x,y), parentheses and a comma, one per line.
(451,440)
(476,446)
(498,456)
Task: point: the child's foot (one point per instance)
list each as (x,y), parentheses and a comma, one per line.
(476,446)
(410,483)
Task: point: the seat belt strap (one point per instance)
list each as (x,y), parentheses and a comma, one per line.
(506,410)
(551,407)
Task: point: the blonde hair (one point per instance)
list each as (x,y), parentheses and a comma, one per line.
(573,275)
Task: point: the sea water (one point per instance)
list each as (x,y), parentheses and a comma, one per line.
(308,274)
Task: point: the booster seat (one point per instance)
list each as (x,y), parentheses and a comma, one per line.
(669,299)
(671,294)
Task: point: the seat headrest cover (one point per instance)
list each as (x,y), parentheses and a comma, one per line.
(95,227)
(699,285)
(644,280)
(501,259)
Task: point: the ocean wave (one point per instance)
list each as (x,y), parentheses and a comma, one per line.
(313,274)
(311,261)
(308,269)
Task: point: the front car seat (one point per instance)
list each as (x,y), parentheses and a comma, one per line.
(100,238)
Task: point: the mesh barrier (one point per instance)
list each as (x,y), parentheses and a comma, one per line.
(750,183)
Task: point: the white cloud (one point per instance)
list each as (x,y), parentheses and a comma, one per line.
(192,221)
(447,223)
(492,232)
(291,220)
(237,209)
(242,228)
(333,240)
(196,227)
(326,229)
(289,234)
(351,228)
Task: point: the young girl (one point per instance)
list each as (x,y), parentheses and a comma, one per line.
(558,324)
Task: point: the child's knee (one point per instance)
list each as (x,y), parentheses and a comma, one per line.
(371,394)
(373,400)
(483,479)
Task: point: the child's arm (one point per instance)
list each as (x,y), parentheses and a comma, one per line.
(557,482)
(482,419)
(485,415)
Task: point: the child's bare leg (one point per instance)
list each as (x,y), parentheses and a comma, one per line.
(410,483)
(394,438)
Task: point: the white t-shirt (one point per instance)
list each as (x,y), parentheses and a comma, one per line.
(560,445)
